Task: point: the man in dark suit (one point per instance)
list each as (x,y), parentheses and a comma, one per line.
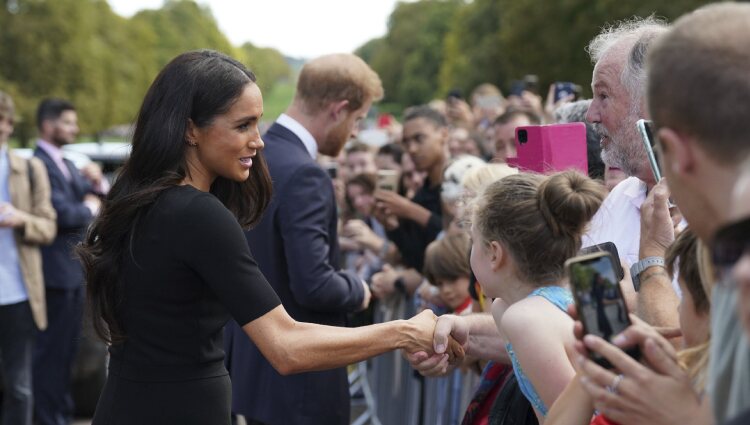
(74,198)
(296,244)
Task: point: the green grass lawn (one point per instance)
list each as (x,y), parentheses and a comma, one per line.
(276,102)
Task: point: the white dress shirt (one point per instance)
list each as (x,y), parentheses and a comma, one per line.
(300,131)
(619,220)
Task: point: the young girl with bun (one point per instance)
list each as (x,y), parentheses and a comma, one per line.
(524,228)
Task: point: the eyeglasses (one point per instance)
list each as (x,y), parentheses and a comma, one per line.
(730,243)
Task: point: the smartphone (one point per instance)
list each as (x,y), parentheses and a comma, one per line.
(599,301)
(550,148)
(454,94)
(611,248)
(388,180)
(565,89)
(645,128)
(531,83)
(332,169)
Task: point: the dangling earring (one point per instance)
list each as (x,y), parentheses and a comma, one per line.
(191,143)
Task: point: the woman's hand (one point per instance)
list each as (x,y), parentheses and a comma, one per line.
(422,338)
(660,394)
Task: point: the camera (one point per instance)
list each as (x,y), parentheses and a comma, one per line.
(523,136)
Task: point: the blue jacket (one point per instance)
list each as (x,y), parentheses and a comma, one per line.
(61,268)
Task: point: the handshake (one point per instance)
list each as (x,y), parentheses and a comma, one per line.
(431,338)
(440,345)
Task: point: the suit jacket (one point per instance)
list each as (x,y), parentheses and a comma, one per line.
(296,246)
(33,202)
(62,269)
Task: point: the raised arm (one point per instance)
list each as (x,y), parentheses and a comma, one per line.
(657,300)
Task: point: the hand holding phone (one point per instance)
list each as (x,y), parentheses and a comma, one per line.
(599,300)
(565,89)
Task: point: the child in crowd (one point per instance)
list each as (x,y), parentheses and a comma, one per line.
(446,266)
(525,227)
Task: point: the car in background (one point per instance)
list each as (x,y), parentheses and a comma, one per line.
(109,155)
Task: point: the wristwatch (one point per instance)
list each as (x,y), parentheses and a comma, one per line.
(637,268)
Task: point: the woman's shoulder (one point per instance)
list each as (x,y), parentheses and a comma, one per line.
(188,204)
(531,313)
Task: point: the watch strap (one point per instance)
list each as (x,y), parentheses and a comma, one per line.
(637,268)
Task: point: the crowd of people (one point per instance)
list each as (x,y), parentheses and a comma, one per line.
(225,268)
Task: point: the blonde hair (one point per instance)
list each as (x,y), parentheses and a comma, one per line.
(336,77)
(475,179)
(540,219)
(696,271)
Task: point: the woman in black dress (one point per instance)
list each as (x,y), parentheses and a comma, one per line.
(167,263)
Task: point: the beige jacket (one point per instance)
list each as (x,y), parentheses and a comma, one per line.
(40,227)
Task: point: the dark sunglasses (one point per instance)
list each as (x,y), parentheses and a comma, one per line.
(730,243)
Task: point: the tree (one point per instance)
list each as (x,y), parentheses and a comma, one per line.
(560,31)
(268,65)
(408,58)
(495,41)
(473,54)
(82,51)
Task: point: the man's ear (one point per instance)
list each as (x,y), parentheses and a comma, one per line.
(678,151)
(338,108)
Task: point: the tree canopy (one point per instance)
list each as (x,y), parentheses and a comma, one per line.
(81,50)
(433,46)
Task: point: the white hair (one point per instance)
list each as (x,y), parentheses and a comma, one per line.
(639,33)
(573,111)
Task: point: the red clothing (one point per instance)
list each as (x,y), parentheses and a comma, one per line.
(602,420)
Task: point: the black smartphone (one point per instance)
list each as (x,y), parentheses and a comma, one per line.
(611,248)
(528,83)
(599,301)
(565,89)
(454,94)
(332,169)
(645,128)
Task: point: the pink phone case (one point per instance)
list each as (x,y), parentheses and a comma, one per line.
(550,148)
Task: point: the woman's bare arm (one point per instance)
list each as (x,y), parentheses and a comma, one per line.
(293,347)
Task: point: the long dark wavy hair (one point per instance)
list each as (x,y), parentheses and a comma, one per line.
(195,86)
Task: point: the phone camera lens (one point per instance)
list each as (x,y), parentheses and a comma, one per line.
(523,136)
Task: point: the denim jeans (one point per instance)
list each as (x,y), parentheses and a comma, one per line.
(17,333)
